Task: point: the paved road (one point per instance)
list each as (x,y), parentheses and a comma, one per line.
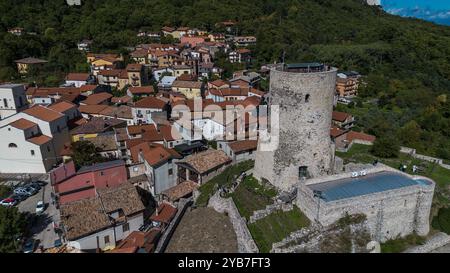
(42,227)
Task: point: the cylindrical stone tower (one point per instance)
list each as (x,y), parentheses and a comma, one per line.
(304,94)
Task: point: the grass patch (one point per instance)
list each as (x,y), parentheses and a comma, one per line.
(276,227)
(251,196)
(401,244)
(442,220)
(225,178)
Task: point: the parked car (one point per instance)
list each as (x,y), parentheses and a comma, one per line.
(29,246)
(34,185)
(28,191)
(40,207)
(41,183)
(19,197)
(8,202)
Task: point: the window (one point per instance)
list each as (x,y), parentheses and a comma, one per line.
(125,227)
(307,97)
(170,171)
(102,173)
(48,148)
(58,129)
(32,152)
(303,172)
(106,238)
(12,145)
(5,102)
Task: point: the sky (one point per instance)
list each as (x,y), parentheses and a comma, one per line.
(437,11)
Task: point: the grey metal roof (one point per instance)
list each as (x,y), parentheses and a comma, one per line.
(101,166)
(352,187)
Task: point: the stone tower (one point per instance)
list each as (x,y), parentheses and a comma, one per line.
(304,94)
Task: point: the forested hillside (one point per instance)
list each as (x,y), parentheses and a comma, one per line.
(406,61)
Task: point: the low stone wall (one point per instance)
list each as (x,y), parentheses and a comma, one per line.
(412,152)
(439,240)
(259,214)
(246,244)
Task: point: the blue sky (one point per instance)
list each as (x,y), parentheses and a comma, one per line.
(433,10)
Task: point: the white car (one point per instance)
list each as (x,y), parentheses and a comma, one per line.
(40,207)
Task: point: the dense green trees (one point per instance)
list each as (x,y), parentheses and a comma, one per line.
(12,226)
(406,62)
(85,153)
(386,147)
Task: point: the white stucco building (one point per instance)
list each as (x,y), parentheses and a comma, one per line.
(12,99)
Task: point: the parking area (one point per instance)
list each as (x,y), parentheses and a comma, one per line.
(41,225)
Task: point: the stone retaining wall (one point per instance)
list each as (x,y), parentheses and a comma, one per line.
(259,214)
(246,244)
(439,240)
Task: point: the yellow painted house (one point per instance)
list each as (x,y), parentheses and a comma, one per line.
(189,89)
(23,65)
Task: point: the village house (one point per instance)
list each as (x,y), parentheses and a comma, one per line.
(122,112)
(95,127)
(163,215)
(192,41)
(110,77)
(203,166)
(342,120)
(106,145)
(76,185)
(16,31)
(84,45)
(139,242)
(78,79)
(243,41)
(12,99)
(179,70)
(53,94)
(347,84)
(189,89)
(245,78)
(143,110)
(161,72)
(137,74)
(102,221)
(159,165)
(344,139)
(143,91)
(165,84)
(240,150)
(240,55)
(34,139)
(23,65)
(218,84)
(140,56)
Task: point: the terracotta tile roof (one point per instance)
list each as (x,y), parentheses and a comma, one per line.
(257,92)
(122,111)
(207,160)
(187,84)
(87,87)
(121,134)
(62,106)
(340,116)
(166,212)
(148,90)
(98,98)
(134,67)
(153,153)
(150,102)
(83,217)
(110,73)
(92,109)
(77,77)
(169,133)
(124,196)
(243,145)
(335,132)
(352,135)
(86,216)
(43,113)
(139,240)
(39,140)
(22,124)
(187,77)
(219,83)
(140,129)
(124,99)
(140,53)
(180,190)
(97,125)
